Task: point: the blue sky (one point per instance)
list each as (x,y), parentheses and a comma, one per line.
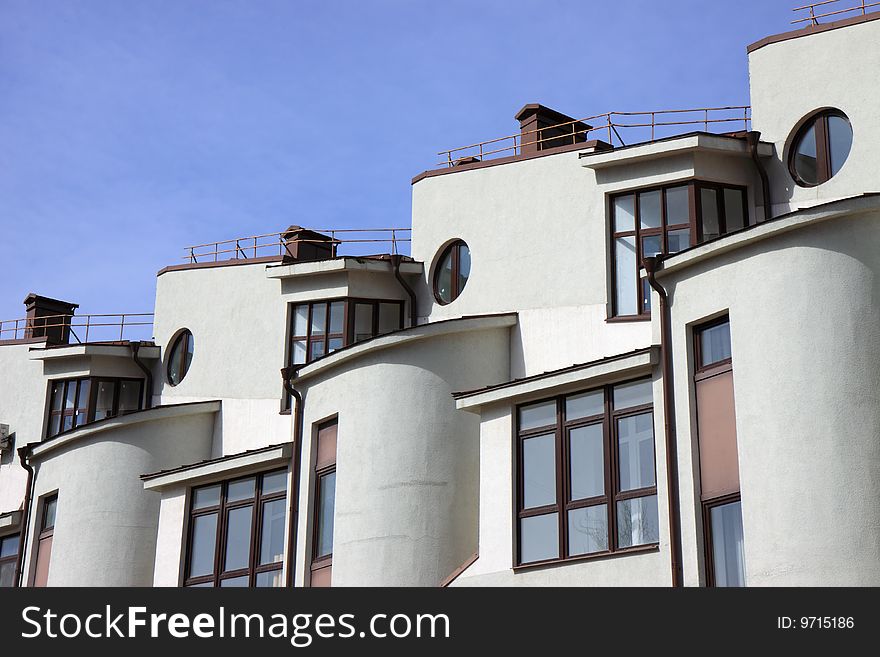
(129,130)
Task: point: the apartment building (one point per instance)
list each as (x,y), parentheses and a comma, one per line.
(622,350)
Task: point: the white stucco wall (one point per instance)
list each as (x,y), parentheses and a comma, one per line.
(805,328)
(407,461)
(792,79)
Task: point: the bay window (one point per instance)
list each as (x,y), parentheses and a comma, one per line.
(77,402)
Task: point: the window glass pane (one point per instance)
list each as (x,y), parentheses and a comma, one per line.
(652,245)
(337,315)
(444,278)
(715,344)
(335,343)
(389,317)
(271,579)
(588,530)
(243,489)
(637,522)
(51,507)
(70,395)
(805,162)
(188,356)
(317,349)
(319,318)
(363,322)
(635,440)
(727,545)
(234,582)
(7,574)
(584,405)
(464,266)
(129,396)
(624,213)
(83,398)
(587,468)
(645,296)
(633,394)
(539,471)
(206,496)
(649,209)
(54,424)
(174,366)
(301,320)
(326,507)
(679,240)
(204,535)
(537,415)
(299,352)
(8,546)
(272,539)
(733,209)
(539,538)
(104,393)
(709,209)
(839,141)
(238,538)
(275,482)
(67,424)
(57,395)
(677,211)
(625,275)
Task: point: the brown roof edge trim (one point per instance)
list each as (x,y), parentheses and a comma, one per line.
(812,29)
(220,263)
(551,373)
(220,459)
(451,577)
(594,143)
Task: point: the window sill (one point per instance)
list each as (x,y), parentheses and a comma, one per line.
(641,549)
(628,318)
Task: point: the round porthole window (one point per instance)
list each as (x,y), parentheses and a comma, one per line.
(451,274)
(820,147)
(180,356)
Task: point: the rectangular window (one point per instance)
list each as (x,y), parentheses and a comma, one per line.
(321,327)
(665,220)
(586,480)
(8,559)
(719,465)
(48,512)
(325,504)
(236,532)
(77,402)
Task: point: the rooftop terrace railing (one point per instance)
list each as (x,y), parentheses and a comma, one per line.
(80,329)
(349,241)
(813,18)
(638,126)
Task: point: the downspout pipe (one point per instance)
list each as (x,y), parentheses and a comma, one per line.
(28,494)
(135,347)
(753,137)
(395,263)
(287,374)
(672,484)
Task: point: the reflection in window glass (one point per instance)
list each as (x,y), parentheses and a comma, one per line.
(389,317)
(727,545)
(734,212)
(105,391)
(444,279)
(625,275)
(452,272)
(301,320)
(588,530)
(204,535)
(633,394)
(709,210)
(238,538)
(649,209)
(234,582)
(319,319)
(180,357)
(637,521)
(206,496)
(840,138)
(243,489)
(806,162)
(363,321)
(714,344)
(624,214)
(537,415)
(652,245)
(587,404)
(677,207)
(326,508)
(272,544)
(539,471)
(539,538)
(587,462)
(129,396)
(635,445)
(679,240)
(337,315)
(270,579)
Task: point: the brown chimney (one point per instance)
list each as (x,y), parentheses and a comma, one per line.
(304,245)
(48,318)
(537,117)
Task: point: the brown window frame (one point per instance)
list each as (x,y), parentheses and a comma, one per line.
(694,224)
(322,470)
(46,533)
(183,341)
(704,371)
(453,248)
(708,545)
(13,558)
(819,121)
(88,406)
(612,495)
(221,509)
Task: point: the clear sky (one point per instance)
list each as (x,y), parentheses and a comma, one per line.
(129,130)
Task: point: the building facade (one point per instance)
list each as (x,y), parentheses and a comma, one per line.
(643,363)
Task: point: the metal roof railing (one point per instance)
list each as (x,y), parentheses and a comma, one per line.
(813,18)
(352,241)
(643,126)
(80,329)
